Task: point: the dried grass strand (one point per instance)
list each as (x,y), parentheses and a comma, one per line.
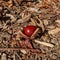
(41,25)
(36,31)
(33,22)
(44,43)
(23,35)
(16,49)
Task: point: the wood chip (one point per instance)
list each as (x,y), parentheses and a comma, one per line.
(54,31)
(23,51)
(33,10)
(44,43)
(10,3)
(25,19)
(3,57)
(13,57)
(45,22)
(51,27)
(58,21)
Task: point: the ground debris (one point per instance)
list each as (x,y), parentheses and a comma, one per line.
(44,44)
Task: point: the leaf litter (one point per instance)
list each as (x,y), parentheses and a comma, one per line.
(44,44)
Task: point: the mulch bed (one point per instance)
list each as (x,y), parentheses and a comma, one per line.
(44,43)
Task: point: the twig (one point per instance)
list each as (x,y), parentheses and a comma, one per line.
(13,19)
(23,51)
(23,35)
(36,31)
(25,19)
(33,22)
(44,43)
(40,25)
(27,49)
(3,57)
(33,10)
(17,55)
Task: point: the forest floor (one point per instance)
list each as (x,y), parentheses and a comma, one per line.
(44,44)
